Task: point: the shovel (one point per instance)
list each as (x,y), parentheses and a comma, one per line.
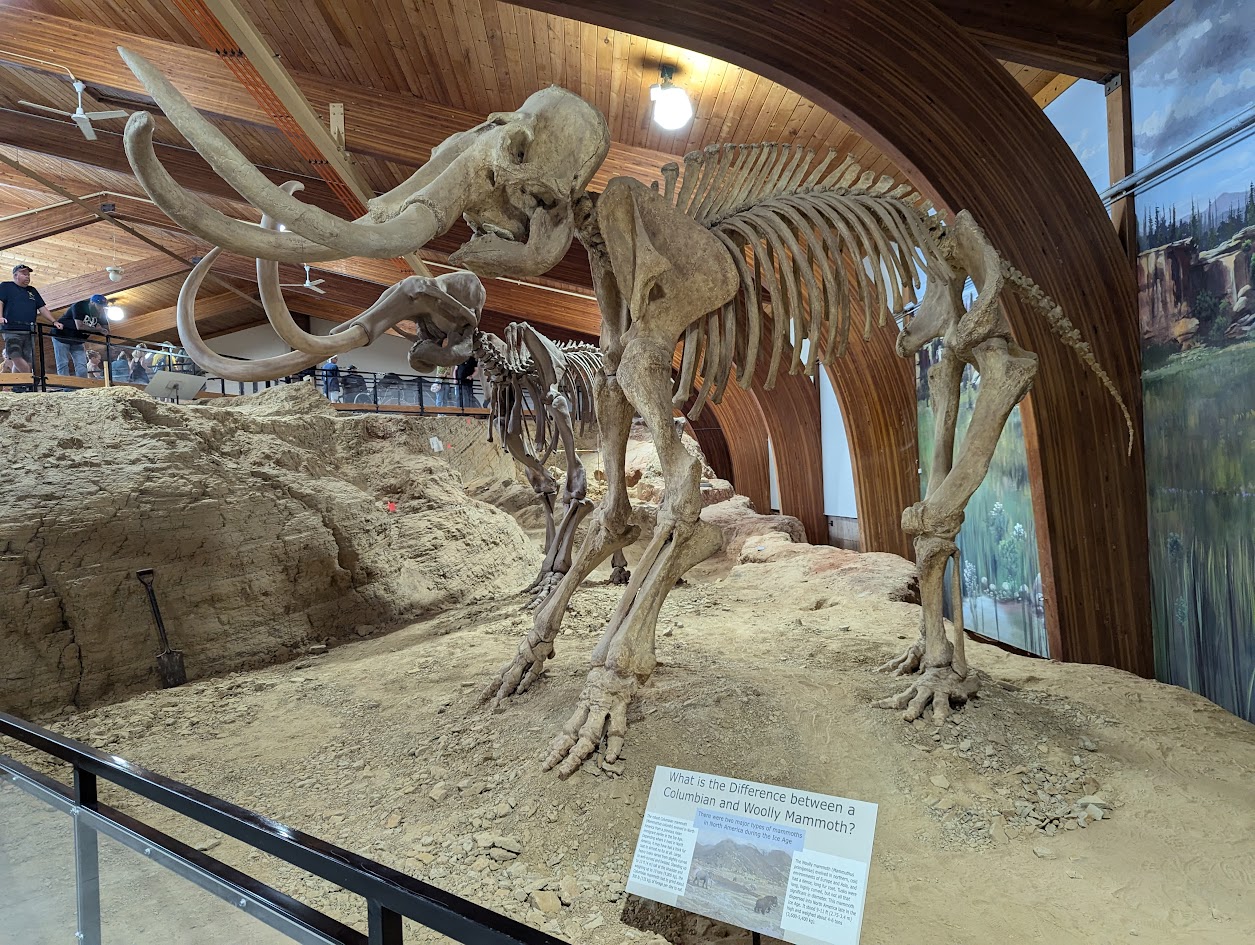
(169,662)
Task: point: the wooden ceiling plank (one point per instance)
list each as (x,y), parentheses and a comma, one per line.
(526,46)
(704,107)
(164,319)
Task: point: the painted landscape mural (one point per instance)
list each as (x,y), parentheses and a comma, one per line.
(1194,69)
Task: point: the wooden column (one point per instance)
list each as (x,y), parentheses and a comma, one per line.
(1120,160)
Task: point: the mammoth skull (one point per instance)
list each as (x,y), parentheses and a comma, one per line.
(514,178)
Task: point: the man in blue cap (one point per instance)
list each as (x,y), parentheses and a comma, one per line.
(72,330)
(21,306)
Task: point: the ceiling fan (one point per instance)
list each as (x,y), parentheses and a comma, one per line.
(78,116)
(307,284)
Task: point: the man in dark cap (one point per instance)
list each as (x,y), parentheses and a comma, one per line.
(72,330)
(21,306)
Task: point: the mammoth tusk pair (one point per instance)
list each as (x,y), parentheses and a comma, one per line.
(316,234)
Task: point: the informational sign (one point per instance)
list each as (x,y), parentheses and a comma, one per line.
(787,863)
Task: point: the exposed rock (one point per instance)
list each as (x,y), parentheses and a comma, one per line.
(264,518)
(739,522)
(545,901)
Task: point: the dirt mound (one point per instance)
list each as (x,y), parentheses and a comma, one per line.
(265,518)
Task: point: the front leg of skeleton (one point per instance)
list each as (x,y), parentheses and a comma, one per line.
(624,658)
(1007,373)
(610,530)
(575,503)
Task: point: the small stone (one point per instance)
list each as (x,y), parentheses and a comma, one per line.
(989,750)
(393,821)
(1043,748)
(1094,812)
(568,889)
(501,855)
(945,803)
(502,809)
(965,745)
(206,847)
(521,895)
(317,649)
(595,922)
(940,780)
(1093,800)
(546,902)
(508,843)
(439,792)
(1088,743)
(668,632)
(364,630)
(1043,853)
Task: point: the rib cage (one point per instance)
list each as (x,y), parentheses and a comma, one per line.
(809,238)
(512,374)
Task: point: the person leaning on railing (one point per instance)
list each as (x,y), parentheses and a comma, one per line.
(72,329)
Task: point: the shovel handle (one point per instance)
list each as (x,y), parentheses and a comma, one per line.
(146,578)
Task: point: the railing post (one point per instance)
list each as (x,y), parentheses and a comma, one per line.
(374,391)
(383,926)
(41,379)
(422,409)
(86,862)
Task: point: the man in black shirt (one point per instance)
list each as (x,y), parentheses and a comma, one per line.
(87,315)
(466,386)
(21,306)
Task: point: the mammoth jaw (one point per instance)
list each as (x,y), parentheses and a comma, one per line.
(498,251)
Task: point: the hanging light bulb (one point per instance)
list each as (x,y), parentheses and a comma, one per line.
(114,313)
(672,108)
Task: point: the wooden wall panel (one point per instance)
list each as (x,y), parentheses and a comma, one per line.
(961,126)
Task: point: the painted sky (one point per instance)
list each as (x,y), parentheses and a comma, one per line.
(1193,67)
(1080,115)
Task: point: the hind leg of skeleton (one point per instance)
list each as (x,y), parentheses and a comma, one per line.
(944,379)
(619,573)
(624,658)
(610,530)
(1006,372)
(575,505)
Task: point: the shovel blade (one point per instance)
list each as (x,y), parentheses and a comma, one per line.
(170,668)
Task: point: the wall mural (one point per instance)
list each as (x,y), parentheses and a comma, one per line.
(1193,68)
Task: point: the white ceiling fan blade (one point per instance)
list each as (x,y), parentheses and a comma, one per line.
(315,282)
(103,116)
(85,126)
(45,108)
(314,287)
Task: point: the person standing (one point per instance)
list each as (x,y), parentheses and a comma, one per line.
(466,385)
(331,378)
(87,315)
(21,306)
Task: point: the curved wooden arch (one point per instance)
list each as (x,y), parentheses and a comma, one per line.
(905,76)
(745,432)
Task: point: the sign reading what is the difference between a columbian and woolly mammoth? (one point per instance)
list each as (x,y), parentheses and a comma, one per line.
(776,860)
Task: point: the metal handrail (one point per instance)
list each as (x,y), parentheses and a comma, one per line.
(389,894)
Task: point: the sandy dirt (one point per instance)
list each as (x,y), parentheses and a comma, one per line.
(765,674)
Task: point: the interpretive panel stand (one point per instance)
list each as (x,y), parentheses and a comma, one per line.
(787,863)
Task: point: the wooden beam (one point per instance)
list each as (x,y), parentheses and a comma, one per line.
(386,125)
(1144,12)
(1120,161)
(22,228)
(1053,89)
(163,319)
(143,272)
(1047,34)
(54,138)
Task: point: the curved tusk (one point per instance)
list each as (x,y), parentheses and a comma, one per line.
(233,370)
(196,216)
(404,233)
(281,318)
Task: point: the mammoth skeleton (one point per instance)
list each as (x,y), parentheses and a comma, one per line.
(692,259)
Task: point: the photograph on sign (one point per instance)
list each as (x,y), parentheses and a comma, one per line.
(787,863)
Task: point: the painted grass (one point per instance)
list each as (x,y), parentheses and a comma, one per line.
(1200,470)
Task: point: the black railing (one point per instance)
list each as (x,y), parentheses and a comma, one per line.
(388,894)
(353,390)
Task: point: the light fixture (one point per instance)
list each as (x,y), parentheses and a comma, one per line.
(672,108)
(114,313)
(115,273)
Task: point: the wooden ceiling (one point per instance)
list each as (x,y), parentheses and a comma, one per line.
(409,74)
